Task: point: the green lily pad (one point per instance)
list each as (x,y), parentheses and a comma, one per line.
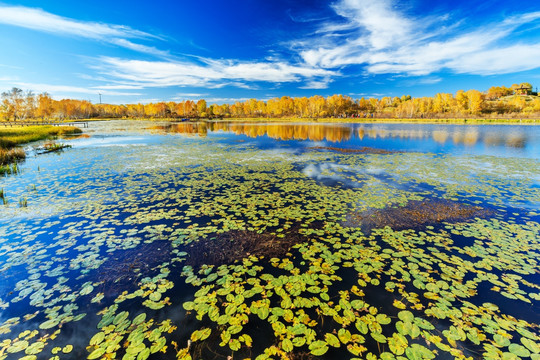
(318,348)
(287,345)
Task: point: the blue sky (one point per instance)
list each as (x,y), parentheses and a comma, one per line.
(131,51)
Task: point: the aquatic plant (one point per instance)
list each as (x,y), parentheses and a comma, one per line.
(205,249)
(51,147)
(23,202)
(8,169)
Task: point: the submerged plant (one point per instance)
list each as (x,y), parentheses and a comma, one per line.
(23,202)
(9,169)
(3,196)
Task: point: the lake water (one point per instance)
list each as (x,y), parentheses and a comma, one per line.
(253,240)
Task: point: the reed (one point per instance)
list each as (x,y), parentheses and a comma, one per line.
(9,169)
(51,147)
(10,137)
(8,156)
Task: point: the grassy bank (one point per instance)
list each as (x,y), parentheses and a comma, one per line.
(13,136)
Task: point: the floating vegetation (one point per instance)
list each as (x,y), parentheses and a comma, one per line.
(428,308)
(416,214)
(236,245)
(51,147)
(363,150)
(204,248)
(123,269)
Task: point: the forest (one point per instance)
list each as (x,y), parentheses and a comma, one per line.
(517,101)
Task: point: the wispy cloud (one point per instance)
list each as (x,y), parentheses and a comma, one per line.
(430,80)
(68,89)
(385,40)
(8,78)
(118,87)
(317,84)
(189,96)
(206,73)
(40,20)
(224,100)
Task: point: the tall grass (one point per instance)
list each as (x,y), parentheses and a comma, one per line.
(11,155)
(9,137)
(13,136)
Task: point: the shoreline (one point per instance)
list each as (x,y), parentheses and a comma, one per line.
(442,121)
(291,120)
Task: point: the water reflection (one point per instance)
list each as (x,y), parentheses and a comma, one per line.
(314,132)
(467,136)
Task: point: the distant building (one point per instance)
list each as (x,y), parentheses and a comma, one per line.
(523,90)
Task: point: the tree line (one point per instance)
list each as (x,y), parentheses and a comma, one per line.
(516,101)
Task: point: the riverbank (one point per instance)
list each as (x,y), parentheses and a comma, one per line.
(390,120)
(13,136)
(463,121)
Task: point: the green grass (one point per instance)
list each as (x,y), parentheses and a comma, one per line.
(13,136)
(8,169)
(10,137)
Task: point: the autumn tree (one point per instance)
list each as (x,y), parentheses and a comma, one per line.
(316,106)
(201,107)
(476,101)
(12,103)
(45,106)
(496,92)
(462,102)
(16,104)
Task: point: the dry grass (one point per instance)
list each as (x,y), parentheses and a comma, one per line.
(8,156)
(13,136)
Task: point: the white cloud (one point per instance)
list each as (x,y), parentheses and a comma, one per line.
(188,96)
(223,100)
(381,25)
(40,20)
(499,61)
(118,87)
(55,89)
(208,73)
(138,47)
(8,78)
(317,84)
(384,40)
(430,80)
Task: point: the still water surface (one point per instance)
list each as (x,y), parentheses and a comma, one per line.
(331,240)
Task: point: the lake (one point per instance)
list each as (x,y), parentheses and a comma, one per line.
(209,240)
